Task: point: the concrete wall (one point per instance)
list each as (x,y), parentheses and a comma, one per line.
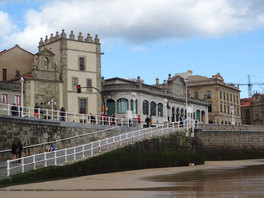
(32,131)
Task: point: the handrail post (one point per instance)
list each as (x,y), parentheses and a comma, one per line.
(45,159)
(8,109)
(133,135)
(22,164)
(121,121)
(38,113)
(82,118)
(120,142)
(167,128)
(106,146)
(66,116)
(156,131)
(74,153)
(65,155)
(8,167)
(83,151)
(34,162)
(58,115)
(145,135)
(99,146)
(150,132)
(114,142)
(126,139)
(109,119)
(91,148)
(47,114)
(55,157)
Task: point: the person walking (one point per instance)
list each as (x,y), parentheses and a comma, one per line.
(147,120)
(62,114)
(139,120)
(19,150)
(14,150)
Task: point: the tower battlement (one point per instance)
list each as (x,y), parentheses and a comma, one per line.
(52,38)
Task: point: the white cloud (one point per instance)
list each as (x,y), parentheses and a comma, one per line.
(141,21)
(6,26)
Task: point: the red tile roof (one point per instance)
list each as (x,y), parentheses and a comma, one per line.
(245,102)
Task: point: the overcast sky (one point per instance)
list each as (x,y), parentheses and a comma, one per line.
(151,38)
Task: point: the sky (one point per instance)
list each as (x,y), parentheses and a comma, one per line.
(151,38)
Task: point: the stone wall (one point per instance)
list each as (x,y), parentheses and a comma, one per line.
(231,144)
(33,131)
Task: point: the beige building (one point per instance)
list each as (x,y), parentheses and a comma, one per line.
(15,62)
(55,71)
(223,99)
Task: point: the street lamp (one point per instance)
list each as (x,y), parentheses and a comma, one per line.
(186,81)
(22,95)
(166,108)
(52,102)
(134,94)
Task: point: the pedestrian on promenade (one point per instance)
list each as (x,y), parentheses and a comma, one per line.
(139,120)
(62,114)
(14,150)
(36,109)
(51,148)
(19,150)
(147,120)
(14,110)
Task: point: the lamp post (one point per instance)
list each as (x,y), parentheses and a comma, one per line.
(186,81)
(166,108)
(52,102)
(22,95)
(134,94)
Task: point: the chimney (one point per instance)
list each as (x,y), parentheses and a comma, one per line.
(157,81)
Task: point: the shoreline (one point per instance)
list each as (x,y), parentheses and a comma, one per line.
(118,184)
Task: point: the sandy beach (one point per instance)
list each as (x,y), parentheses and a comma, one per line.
(121,184)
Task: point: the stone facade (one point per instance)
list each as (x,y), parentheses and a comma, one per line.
(161,102)
(223,99)
(10,93)
(252,110)
(54,72)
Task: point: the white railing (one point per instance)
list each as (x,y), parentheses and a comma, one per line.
(63,156)
(39,113)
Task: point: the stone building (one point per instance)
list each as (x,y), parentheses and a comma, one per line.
(252,110)
(163,102)
(223,98)
(61,63)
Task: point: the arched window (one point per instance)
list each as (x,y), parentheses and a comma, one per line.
(153,108)
(122,106)
(173,114)
(46,63)
(145,107)
(160,110)
(110,103)
(132,104)
(177,114)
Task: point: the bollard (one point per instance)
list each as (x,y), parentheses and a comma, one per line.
(145,135)
(133,137)
(156,131)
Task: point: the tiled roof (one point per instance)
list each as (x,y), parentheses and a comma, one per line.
(245,102)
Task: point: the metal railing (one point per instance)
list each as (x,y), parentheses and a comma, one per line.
(40,113)
(63,156)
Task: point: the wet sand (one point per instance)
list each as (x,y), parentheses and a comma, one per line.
(121,184)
